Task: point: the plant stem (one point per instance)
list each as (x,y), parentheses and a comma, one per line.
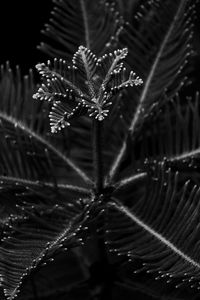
(98,179)
(97,156)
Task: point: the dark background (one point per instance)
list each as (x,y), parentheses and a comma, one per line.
(21,23)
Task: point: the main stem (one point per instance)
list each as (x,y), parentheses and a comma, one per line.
(98,178)
(97,156)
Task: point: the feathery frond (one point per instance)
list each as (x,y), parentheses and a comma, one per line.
(160,59)
(95,25)
(160,231)
(24,126)
(173,135)
(30,239)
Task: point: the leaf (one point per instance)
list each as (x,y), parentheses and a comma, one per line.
(26,126)
(159,232)
(165,51)
(86,64)
(34,237)
(174,135)
(160,59)
(95,25)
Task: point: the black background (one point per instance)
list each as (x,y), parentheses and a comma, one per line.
(20,25)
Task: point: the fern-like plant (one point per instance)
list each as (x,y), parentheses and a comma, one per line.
(99,160)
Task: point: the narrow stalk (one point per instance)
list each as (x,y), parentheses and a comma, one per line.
(98,179)
(106,288)
(97,156)
(129,180)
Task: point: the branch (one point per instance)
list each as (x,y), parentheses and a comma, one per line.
(86,25)
(185,155)
(116,162)
(129,180)
(37,183)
